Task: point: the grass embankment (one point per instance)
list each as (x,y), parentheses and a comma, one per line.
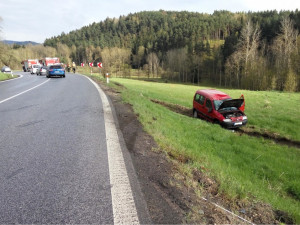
(5,76)
(244,166)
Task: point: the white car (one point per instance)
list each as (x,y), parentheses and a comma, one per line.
(42,71)
(34,68)
(6,69)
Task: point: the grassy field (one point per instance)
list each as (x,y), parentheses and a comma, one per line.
(5,76)
(245,167)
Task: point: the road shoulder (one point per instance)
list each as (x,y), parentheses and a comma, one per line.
(164,185)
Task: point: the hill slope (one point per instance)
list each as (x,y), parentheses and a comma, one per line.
(10,42)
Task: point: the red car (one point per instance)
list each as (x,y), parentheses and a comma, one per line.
(218,107)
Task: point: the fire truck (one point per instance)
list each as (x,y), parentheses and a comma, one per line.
(27,64)
(49,61)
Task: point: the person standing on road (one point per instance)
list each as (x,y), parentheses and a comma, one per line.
(74,67)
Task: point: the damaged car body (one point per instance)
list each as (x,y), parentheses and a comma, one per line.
(218,107)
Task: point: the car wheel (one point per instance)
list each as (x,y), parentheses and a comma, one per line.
(216,122)
(195,114)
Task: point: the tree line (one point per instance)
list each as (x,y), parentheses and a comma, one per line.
(253,50)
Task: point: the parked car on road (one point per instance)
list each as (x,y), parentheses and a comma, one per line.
(34,68)
(218,107)
(55,70)
(6,69)
(42,70)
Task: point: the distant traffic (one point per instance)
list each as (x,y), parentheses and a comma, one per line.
(47,66)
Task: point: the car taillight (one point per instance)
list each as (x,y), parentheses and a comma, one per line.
(51,70)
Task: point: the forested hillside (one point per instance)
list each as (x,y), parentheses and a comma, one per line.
(254,50)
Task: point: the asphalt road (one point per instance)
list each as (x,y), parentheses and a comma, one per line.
(53,152)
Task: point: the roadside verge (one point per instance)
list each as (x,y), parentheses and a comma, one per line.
(126,194)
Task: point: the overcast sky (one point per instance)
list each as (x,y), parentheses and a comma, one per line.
(36,20)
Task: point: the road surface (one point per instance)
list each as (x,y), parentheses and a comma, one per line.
(56,161)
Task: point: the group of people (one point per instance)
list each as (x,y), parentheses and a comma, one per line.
(73,67)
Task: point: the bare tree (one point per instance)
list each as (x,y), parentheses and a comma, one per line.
(115,60)
(233,68)
(283,47)
(138,57)
(177,64)
(107,60)
(153,64)
(63,52)
(242,64)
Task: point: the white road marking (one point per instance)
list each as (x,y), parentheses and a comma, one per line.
(23,92)
(124,209)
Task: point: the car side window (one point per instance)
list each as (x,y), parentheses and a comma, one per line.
(208,104)
(202,99)
(197,97)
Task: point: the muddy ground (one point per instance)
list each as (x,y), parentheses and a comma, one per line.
(171,195)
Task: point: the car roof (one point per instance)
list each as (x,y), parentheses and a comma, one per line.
(213,94)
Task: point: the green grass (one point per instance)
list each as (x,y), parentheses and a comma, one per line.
(5,76)
(245,167)
(276,112)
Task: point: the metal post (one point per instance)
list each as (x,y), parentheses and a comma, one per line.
(107,78)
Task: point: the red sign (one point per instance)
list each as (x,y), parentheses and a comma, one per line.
(99,65)
(91,64)
(82,64)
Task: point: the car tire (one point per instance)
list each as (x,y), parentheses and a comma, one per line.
(195,114)
(217,122)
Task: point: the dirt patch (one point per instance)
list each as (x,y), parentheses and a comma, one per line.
(175,108)
(242,131)
(251,211)
(170,198)
(270,136)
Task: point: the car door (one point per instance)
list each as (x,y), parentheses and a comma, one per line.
(199,104)
(208,109)
(242,108)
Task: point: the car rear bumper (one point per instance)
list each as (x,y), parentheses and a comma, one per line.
(56,74)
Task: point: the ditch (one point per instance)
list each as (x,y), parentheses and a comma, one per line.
(250,130)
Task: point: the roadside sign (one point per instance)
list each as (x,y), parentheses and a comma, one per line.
(99,64)
(107,77)
(82,64)
(91,64)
